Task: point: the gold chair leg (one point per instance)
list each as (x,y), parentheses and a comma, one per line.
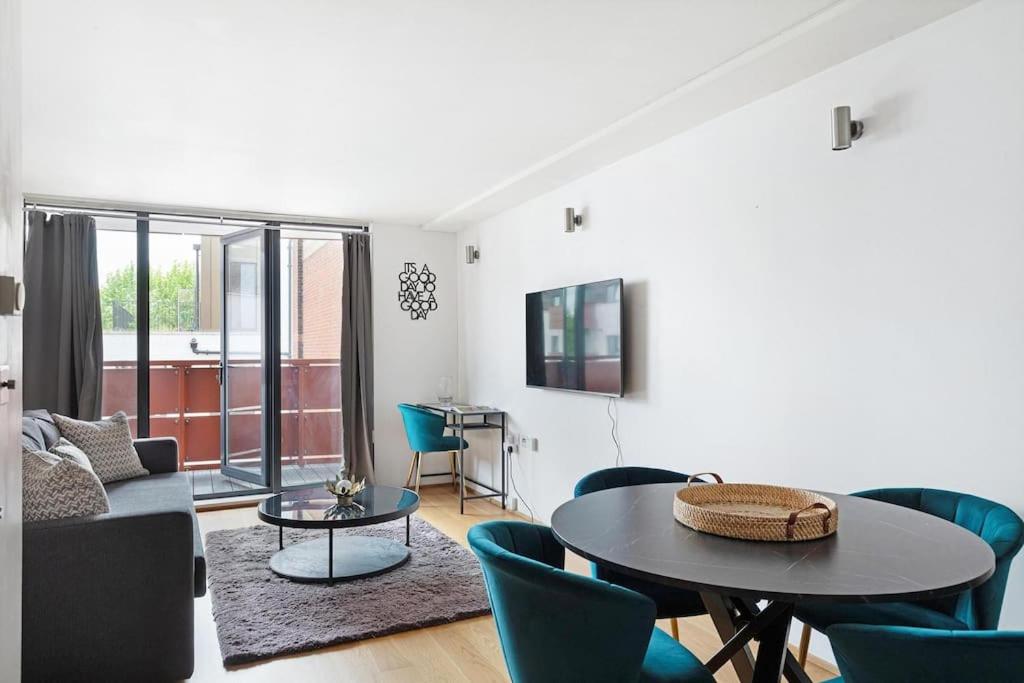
(805,643)
(675,628)
(412,468)
(451,464)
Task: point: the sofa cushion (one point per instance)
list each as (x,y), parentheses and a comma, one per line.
(31,435)
(108,443)
(55,487)
(47,427)
(160,493)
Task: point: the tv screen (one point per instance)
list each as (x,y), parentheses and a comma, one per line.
(574,338)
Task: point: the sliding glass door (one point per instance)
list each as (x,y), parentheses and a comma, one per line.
(280,357)
(247,440)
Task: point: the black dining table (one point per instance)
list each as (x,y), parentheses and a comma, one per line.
(879,553)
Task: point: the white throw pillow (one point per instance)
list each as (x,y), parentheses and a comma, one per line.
(108,444)
(69,451)
(55,487)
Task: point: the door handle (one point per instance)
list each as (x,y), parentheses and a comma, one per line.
(12,296)
(8,384)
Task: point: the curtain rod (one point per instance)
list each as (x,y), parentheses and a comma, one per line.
(111,209)
(189,221)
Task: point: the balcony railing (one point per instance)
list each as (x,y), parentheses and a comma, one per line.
(185,404)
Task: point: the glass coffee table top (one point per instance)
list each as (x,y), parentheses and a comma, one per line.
(315,508)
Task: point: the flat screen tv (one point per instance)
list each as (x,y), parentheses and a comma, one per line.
(574,338)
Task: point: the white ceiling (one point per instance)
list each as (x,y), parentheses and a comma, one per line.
(403,111)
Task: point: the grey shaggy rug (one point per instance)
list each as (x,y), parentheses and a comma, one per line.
(260,614)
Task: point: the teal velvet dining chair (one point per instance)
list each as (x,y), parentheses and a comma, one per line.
(424,430)
(557,626)
(672,603)
(975,609)
(903,654)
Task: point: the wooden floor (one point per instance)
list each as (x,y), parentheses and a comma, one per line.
(464,651)
(210,482)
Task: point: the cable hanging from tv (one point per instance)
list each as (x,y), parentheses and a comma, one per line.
(614,417)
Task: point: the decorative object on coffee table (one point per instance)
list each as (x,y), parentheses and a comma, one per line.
(343,488)
(324,560)
(755,512)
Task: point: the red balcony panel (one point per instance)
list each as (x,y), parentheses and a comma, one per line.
(119,384)
(202,390)
(244,385)
(321,434)
(202,439)
(290,375)
(163,426)
(163,389)
(290,435)
(322,386)
(244,432)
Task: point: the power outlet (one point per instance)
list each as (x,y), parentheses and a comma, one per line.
(528,443)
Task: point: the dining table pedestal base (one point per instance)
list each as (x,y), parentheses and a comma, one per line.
(738,622)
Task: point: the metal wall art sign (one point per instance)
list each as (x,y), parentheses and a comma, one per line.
(416,290)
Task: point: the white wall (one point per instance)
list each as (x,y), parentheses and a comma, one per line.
(838,320)
(410,356)
(10,342)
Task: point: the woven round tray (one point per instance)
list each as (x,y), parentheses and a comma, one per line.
(755,512)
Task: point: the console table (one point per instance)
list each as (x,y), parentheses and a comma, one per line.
(480,417)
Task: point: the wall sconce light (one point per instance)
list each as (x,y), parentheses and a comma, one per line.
(572,219)
(472,254)
(844,129)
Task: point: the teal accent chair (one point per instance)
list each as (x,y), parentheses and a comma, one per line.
(902,654)
(975,609)
(672,602)
(424,429)
(557,626)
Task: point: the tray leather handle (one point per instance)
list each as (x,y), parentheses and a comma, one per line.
(689,480)
(791,522)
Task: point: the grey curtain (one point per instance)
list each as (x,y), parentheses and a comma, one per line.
(357,358)
(62,320)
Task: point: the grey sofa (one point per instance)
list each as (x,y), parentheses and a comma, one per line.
(110,597)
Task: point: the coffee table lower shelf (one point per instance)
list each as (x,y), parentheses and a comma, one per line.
(326,560)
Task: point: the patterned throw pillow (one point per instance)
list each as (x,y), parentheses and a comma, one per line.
(69,451)
(55,487)
(108,445)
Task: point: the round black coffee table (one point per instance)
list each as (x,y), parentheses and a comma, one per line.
(326,560)
(880,553)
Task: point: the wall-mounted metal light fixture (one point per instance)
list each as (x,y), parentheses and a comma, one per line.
(844,129)
(472,254)
(572,219)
